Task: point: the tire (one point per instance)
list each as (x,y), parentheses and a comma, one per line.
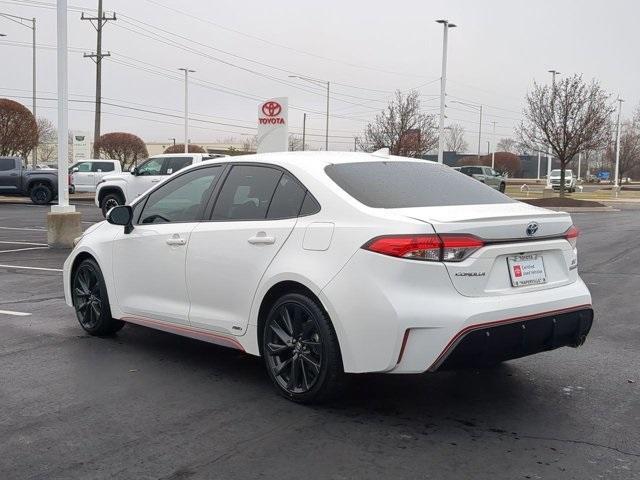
(301,350)
(90,300)
(109,201)
(502,187)
(72,189)
(41,194)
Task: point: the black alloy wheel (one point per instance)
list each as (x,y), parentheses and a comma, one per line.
(41,194)
(109,201)
(89,295)
(301,350)
(502,187)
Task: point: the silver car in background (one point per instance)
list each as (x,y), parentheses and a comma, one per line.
(486,175)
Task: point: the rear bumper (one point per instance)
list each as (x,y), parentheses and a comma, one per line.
(491,343)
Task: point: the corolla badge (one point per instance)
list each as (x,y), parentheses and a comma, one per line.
(532,229)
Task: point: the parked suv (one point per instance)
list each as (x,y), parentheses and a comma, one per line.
(122,188)
(569,180)
(15,179)
(486,175)
(86,174)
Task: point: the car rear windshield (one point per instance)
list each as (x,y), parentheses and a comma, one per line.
(410,184)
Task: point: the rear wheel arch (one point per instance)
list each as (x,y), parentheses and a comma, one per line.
(276,292)
(35,183)
(108,190)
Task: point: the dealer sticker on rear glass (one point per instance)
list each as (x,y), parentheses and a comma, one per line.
(526,270)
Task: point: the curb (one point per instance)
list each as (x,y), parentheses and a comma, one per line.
(27,201)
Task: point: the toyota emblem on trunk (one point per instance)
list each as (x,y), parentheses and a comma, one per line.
(532,228)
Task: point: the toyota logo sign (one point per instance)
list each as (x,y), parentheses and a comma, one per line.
(271,109)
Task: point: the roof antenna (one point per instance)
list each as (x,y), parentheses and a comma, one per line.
(382,152)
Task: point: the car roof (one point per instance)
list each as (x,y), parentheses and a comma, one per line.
(161,155)
(312,161)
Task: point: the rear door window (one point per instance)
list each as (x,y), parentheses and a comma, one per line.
(246,193)
(287,199)
(175,164)
(103,167)
(7,164)
(401,184)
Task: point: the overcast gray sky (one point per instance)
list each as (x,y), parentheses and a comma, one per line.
(367,48)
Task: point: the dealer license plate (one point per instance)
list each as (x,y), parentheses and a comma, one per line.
(526,270)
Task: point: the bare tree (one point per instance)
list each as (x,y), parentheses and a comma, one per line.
(179,148)
(629,149)
(571,116)
(18,129)
(454,140)
(126,147)
(47,139)
(250,144)
(295,143)
(402,127)
(507,145)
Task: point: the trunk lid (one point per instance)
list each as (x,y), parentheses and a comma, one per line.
(508,232)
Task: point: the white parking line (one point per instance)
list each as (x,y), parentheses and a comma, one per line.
(24,249)
(24,243)
(24,228)
(19,267)
(18,314)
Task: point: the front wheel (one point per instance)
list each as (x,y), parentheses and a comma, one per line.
(41,194)
(109,201)
(502,187)
(90,299)
(301,350)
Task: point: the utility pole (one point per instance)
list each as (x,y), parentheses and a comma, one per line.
(443,86)
(174,140)
(616,179)
(493,141)
(579,164)
(186,71)
(304,130)
(480,132)
(19,20)
(355,144)
(326,132)
(100,21)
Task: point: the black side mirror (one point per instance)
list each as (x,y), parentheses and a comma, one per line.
(134,171)
(121,215)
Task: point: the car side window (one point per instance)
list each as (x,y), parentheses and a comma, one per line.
(103,167)
(310,206)
(7,164)
(181,199)
(84,167)
(246,193)
(176,163)
(287,199)
(153,166)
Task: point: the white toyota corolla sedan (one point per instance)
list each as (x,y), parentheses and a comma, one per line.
(326,263)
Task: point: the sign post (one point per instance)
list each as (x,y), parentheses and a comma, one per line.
(273,125)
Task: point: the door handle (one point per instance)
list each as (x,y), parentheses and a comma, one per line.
(155,181)
(176,241)
(261,238)
(13,174)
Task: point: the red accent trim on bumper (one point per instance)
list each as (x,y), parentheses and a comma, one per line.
(186,331)
(458,336)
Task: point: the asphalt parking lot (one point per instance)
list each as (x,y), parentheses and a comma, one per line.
(149,405)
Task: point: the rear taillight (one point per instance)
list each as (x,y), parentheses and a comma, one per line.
(433,248)
(572,235)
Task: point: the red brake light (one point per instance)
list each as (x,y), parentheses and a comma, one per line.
(572,235)
(434,248)
(418,247)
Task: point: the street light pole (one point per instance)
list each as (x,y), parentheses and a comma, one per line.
(480,132)
(186,71)
(553,92)
(443,85)
(616,179)
(19,20)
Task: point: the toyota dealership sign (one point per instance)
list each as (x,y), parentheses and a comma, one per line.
(273,125)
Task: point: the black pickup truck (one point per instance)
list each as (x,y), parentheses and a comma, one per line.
(15,179)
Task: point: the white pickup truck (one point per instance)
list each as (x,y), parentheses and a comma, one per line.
(122,188)
(86,174)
